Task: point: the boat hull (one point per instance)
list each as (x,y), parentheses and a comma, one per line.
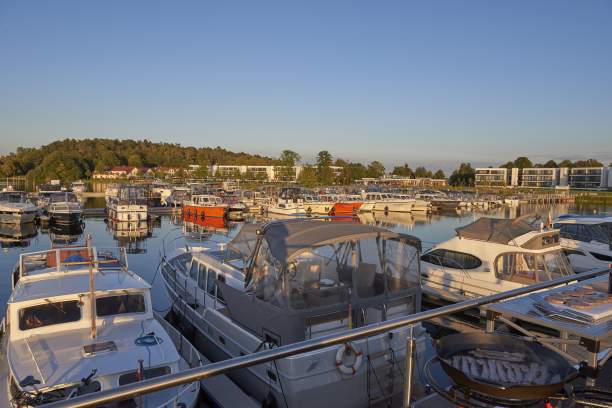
(346,208)
(73,217)
(17,218)
(205,212)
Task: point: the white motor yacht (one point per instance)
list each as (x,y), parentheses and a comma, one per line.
(15,208)
(128,205)
(492,255)
(385,202)
(79,322)
(64,208)
(290,202)
(288,281)
(587,240)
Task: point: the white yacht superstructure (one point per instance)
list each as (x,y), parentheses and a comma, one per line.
(587,240)
(78,322)
(15,208)
(289,202)
(64,208)
(492,255)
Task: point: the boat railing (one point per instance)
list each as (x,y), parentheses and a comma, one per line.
(188,353)
(68,259)
(273,354)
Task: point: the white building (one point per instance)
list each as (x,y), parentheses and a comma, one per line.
(496,177)
(544,177)
(590,178)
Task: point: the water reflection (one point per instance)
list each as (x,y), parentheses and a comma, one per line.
(17,235)
(66,234)
(146,241)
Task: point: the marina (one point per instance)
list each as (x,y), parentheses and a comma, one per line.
(204,291)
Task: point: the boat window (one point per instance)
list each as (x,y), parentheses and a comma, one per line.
(585,233)
(602,257)
(210,282)
(154,372)
(120,304)
(527,268)
(193,272)
(49,314)
(451,259)
(401,266)
(202,277)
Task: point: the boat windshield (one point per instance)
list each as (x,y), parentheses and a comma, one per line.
(12,197)
(587,232)
(63,197)
(529,268)
(350,271)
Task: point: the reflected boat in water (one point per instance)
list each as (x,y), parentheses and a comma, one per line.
(65,234)
(17,235)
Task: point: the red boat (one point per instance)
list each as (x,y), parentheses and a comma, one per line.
(203,206)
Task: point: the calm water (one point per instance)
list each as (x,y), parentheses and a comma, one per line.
(145,244)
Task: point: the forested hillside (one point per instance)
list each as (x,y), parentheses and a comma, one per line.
(72,159)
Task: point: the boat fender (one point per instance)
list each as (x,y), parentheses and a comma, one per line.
(342,351)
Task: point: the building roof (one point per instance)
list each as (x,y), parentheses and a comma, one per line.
(501,231)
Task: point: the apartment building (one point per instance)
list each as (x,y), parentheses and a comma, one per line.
(496,177)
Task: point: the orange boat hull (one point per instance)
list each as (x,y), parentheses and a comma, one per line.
(345,208)
(195,212)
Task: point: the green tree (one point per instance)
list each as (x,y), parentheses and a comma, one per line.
(522,162)
(375,169)
(403,171)
(289,158)
(324,173)
(352,172)
(135,160)
(422,172)
(588,163)
(439,175)
(550,163)
(463,176)
(566,163)
(308,176)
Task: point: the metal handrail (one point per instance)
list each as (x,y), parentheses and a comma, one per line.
(222,367)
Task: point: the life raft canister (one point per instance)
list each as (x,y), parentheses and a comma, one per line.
(342,351)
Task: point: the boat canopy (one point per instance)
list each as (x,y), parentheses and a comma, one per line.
(302,271)
(501,231)
(287,240)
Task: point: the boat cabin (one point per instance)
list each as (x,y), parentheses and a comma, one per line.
(493,255)
(307,278)
(58,335)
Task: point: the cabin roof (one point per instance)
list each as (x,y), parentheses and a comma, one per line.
(287,239)
(60,357)
(52,285)
(501,231)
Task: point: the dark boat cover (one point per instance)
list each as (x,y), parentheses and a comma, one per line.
(501,231)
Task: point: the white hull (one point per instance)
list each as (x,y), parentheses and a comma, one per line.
(128,212)
(583,255)
(286,209)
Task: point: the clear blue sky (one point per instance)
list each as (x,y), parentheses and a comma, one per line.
(423,82)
